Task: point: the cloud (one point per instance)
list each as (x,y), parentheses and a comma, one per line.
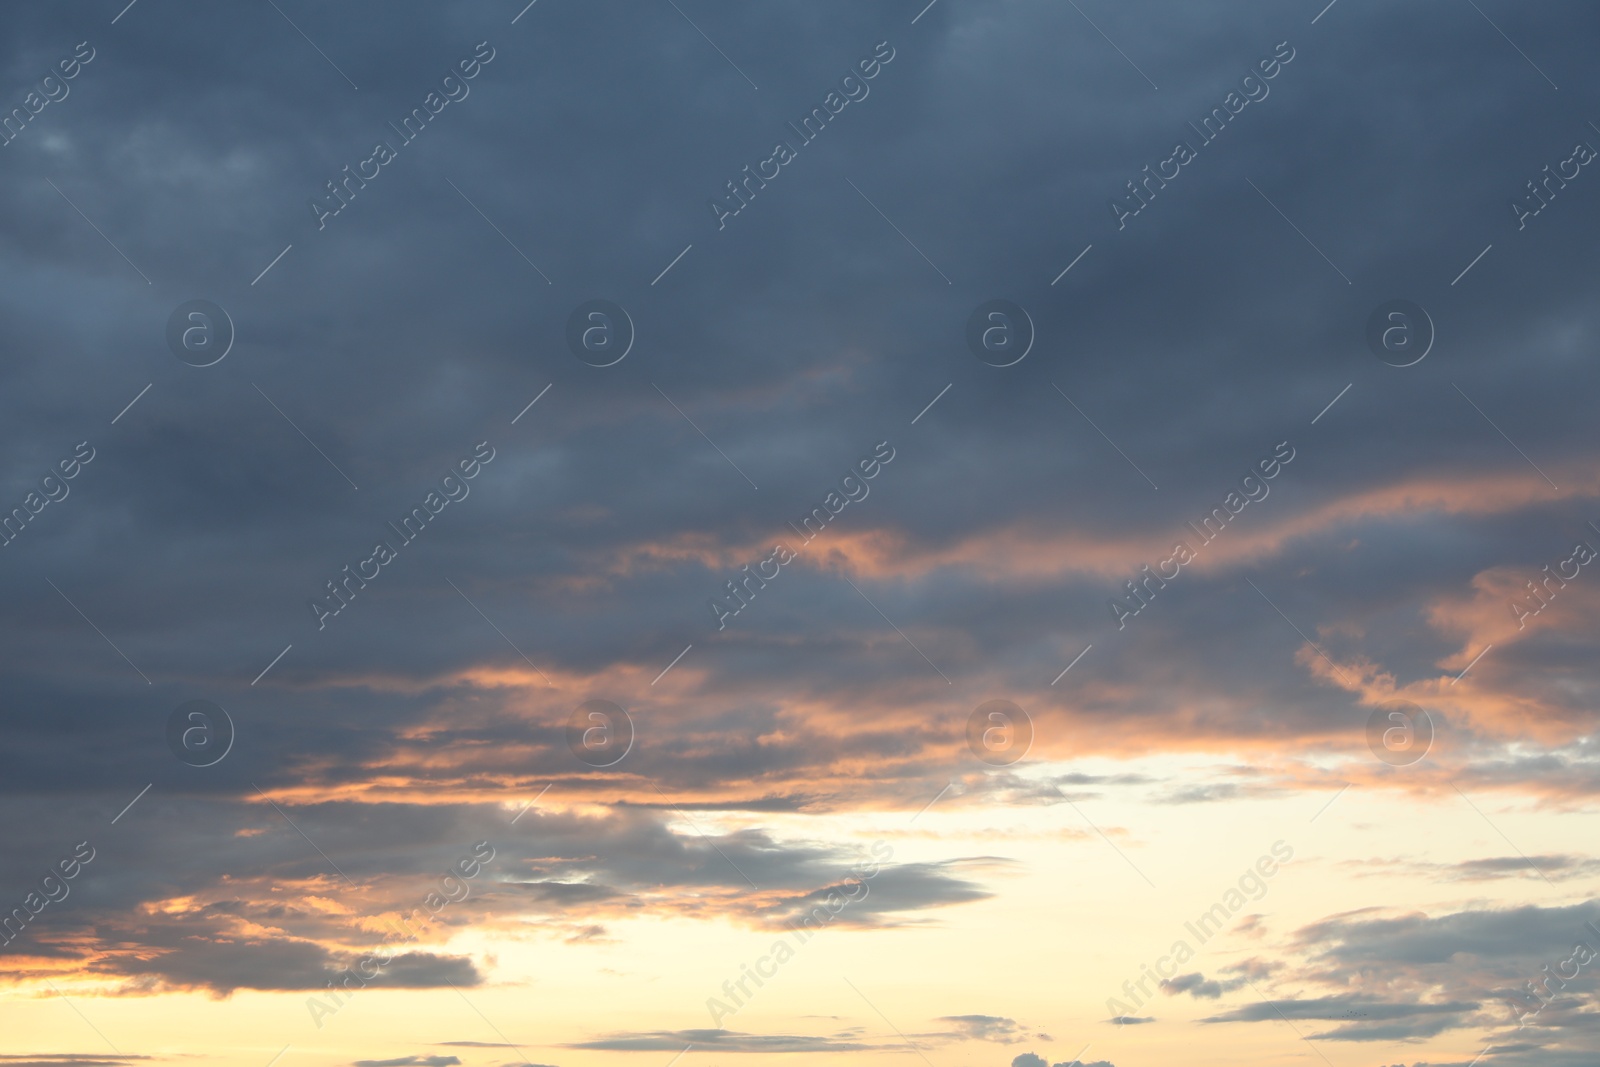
(901,888)
(204,928)
(721,1041)
(1371,1019)
(1554,866)
(1199,986)
(222,965)
(1418,939)
(410,1061)
(987,1028)
(1029,1059)
(1196,338)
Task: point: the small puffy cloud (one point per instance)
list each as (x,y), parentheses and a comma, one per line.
(1199,986)
(987,1028)
(1030,1059)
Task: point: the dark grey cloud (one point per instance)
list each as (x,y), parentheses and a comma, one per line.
(1418,939)
(410,1061)
(1488,968)
(1419,1020)
(215,476)
(902,888)
(236,930)
(266,964)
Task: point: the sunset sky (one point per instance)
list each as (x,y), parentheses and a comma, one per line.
(622,533)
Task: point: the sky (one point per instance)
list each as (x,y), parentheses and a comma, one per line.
(618,534)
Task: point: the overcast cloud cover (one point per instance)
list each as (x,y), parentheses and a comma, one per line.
(1416,540)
